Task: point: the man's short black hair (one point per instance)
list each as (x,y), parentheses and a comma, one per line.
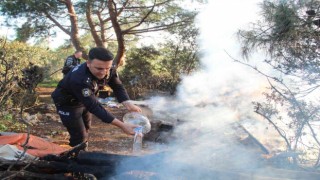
(100,53)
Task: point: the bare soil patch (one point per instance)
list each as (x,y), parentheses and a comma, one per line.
(103,137)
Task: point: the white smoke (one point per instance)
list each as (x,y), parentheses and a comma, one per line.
(213,100)
(222,92)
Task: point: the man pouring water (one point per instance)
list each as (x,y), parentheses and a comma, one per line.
(75,96)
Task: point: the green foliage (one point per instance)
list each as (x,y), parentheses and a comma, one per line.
(8,76)
(3,127)
(138,73)
(24,32)
(33,14)
(150,68)
(5,119)
(282,16)
(8,123)
(290,36)
(52,83)
(22,68)
(38,18)
(181,54)
(22,54)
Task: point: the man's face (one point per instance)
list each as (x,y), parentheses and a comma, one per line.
(78,54)
(99,68)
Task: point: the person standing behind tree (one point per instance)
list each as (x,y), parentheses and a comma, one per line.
(71,62)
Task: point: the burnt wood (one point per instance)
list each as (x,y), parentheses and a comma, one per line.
(104,166)
(30,175)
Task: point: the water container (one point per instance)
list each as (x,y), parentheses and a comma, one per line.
(137,141)
(138,119)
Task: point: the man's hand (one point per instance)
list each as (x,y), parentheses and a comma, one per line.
(126,127)
(131,107)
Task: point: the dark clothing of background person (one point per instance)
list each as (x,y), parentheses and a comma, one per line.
(75,99)
(71,62)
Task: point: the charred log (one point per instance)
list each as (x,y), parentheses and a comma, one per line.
(53,167)
(30,175)
(98,159)
(93,165)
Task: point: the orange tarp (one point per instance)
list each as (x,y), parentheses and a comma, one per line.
(37,146)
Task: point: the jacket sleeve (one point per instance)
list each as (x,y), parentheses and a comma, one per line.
(84,94)
(118,88)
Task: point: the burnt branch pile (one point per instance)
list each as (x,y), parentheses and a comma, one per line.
(76,164)
(69,165)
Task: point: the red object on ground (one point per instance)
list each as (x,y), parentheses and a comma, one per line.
(37,146)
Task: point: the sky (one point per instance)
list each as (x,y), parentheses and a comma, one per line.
(53,42)
(5,31)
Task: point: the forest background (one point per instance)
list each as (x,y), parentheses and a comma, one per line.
(288,34)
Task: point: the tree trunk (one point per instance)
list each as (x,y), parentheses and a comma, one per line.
(74,28)
(91,24)
(119,59)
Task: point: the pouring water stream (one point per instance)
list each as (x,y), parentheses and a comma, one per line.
(144,127)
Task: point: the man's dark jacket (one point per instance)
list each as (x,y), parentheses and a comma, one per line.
(79,88)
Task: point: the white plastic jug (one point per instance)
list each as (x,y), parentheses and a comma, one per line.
(138,119)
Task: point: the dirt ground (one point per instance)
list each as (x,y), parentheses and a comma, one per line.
(103,137)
